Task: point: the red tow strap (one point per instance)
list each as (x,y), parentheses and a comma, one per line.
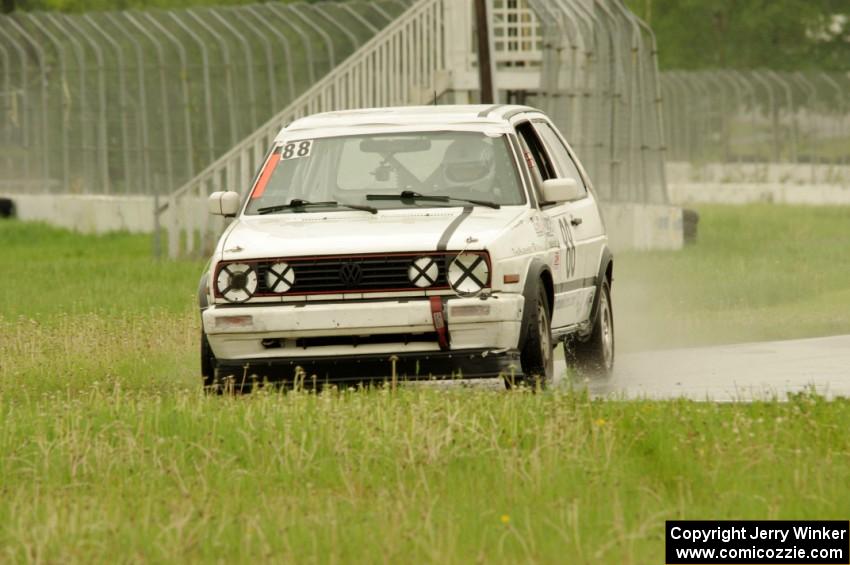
(440,322)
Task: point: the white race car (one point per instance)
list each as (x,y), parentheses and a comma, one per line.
(413,243)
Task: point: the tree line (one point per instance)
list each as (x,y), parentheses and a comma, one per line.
(749,34)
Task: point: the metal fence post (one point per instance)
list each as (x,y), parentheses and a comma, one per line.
(249,65)
(8,104)
(773,113)
(593,85)
(271,75)
(614,97)
(580,84)
(789,100)
(287,52)
(207,86)
(638,137)
(273,9)
(87,148)
(552,48)
(228,75)
(750,87)
(166,122)
(811,102)
(60,53)
(144,145)
(312,25)
(729,78)
(103,142)
(123,106)
(840,94)
(342,29)
(24,99)
(184,91)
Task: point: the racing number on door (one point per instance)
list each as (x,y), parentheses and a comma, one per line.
(569,242)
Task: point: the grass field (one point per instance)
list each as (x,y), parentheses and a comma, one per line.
(758,272)
(109,451)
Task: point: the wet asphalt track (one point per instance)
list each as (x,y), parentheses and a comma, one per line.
(747,371)
(739,372)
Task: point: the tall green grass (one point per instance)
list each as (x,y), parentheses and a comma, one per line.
(110,452)
(758,272)
(446,476)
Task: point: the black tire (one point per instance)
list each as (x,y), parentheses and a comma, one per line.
(7,208)
(537,354)
(208,367)
(595,356)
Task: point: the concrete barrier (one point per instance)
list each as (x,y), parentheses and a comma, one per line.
(806,174)
(746,193)
(87,213)
(744,183)
(630,226)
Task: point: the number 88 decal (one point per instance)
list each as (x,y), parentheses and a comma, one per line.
(296,149)
(570,259)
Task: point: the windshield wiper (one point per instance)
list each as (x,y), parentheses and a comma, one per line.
(412,196)
(297,203)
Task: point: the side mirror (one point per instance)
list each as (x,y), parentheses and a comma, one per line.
(223,203)
(561,190)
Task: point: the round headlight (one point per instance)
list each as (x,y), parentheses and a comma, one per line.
(237,282)
(468,274)
(280,277)
(423,272)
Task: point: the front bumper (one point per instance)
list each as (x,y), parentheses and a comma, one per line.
(335,333)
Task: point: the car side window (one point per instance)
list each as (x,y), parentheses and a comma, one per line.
(535,156)
(563,161)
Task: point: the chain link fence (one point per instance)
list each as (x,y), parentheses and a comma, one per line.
(139,102)
(761,116)
(600,84)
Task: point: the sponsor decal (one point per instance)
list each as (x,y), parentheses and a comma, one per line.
(539,225)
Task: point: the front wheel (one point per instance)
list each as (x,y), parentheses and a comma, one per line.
(208,365)
(595,356)
(536,357)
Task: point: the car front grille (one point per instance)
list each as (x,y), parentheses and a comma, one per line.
(349,273)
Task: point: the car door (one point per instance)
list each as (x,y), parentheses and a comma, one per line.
(566,274)
(582,215)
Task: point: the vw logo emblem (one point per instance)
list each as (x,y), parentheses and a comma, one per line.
(351,274)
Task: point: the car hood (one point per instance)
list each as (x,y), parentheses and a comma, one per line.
(293,235)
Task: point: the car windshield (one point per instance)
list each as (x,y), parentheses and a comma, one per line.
(330,173)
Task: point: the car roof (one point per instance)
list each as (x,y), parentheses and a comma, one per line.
(471,116)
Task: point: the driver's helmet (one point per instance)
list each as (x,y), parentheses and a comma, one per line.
(469,164)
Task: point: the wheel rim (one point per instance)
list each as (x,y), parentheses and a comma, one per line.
(607,333)
(545,336)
